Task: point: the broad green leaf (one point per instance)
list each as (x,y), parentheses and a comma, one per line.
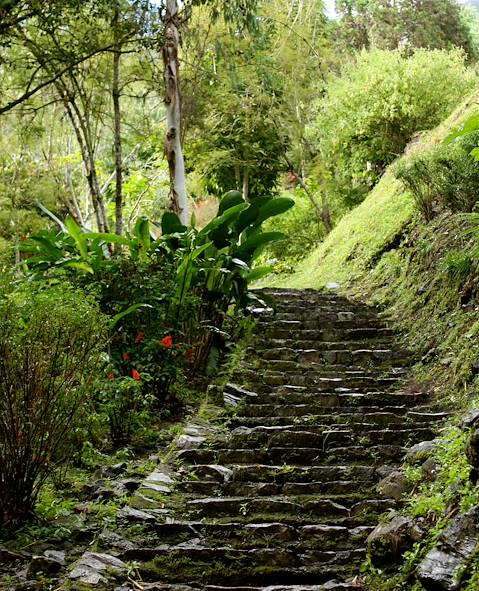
(171,224)
(77,234)
(274,207)
(240,264)
(251,244)
(231,199)
(81,266)
(221,236)
(44,245)
(107,238)
(114,321)
(469,126)
(258,273)
(225,218)
(250,216)
(142,233)
(196,253)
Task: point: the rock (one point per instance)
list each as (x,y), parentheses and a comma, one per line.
(472,453)
(113,471)
(394,485)
(214,472)
(189,442)
(420,452)
(444,566)
(430,469)
(130,514)
(156,488)
(159,477)
(57,555)
(470,419)
(440,571)
(91,567)
(130,484)
(462,535)
(7,557)
(112,540)
(50,563)
(446,361)
(332,285)
(388,541)
(230,400)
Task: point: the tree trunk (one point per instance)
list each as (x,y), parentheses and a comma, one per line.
(117,127)
(322,213)
(173,150)
(245,184)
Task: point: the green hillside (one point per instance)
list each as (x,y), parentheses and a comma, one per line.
(357,243)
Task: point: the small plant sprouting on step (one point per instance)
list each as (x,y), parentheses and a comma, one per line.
(244,509)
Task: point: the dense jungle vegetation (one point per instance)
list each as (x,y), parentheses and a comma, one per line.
(157,159)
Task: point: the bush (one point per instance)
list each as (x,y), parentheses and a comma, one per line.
(49,352)
(376,106)
(449,175)
(457,265)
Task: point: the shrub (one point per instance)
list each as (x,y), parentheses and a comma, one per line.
(49,351)
(373,109)
(448,175)
(457,265)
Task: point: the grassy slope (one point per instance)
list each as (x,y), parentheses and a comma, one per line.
(356,244)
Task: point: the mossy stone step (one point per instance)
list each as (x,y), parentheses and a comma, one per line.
(311,397)
(376,454)
(284,501)
(258,489)
(251,535)
(323,436)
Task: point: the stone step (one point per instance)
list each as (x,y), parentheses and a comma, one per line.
(280,474)
(321,313)
(327,402)
(282,329)
(332,585)
(376,454)
(227,566)
(304,506)
(264,534)
(259,489)
(386,416)
(316,378)
(322,350)
(308,397)
(322,437)
(325,367)
(332,334)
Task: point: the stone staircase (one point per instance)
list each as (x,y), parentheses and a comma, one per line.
(285,498)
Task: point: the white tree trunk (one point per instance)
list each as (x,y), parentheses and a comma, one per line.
(173,150)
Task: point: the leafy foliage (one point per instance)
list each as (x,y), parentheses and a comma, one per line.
(51,340)
(431,24)
(449,175)
(377,105)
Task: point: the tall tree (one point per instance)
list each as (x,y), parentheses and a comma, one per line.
(389,24)
(240,12)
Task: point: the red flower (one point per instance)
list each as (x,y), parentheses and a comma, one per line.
(111,375)
(135,375)
(140,336)
(126,357)
(167,342)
